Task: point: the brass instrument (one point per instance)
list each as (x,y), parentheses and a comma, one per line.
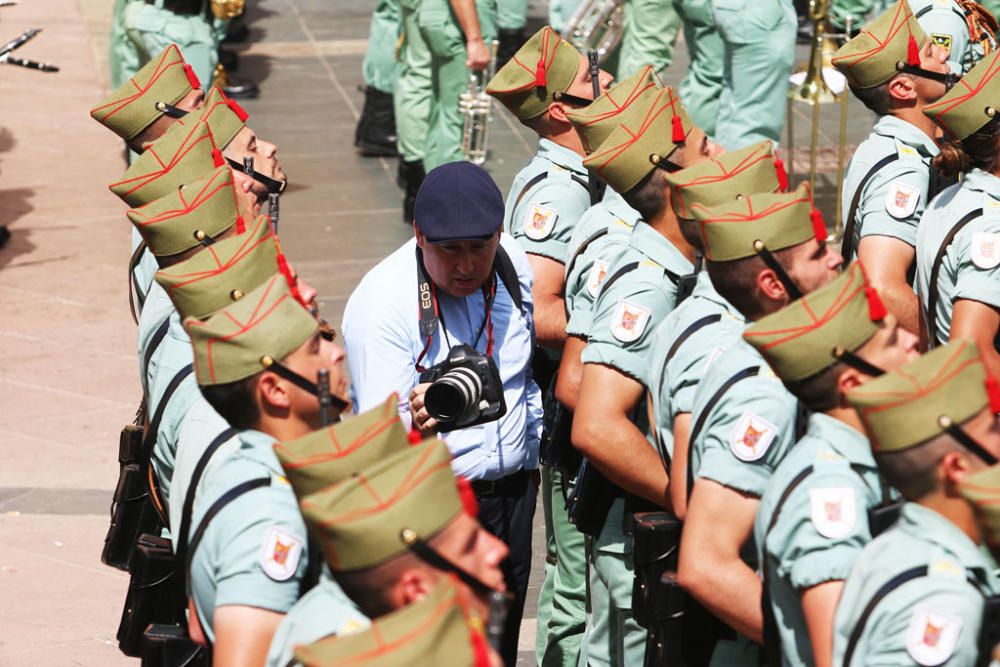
(476,105)
(814,89)
(596,25)
(227,9)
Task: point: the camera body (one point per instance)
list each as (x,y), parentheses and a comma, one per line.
(465,390)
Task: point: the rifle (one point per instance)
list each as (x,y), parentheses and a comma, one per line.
(17,43)
(594,68)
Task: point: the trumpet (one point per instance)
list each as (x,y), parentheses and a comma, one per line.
(476,107)
(596,25)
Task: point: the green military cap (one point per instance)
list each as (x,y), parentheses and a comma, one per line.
(731,231)
(183,154)
(716,181)
(871,58)
(331,454)
(245,338)
(223,115)
(379,512)
(649,130)
(595,121)
(804,338)
(544,66)
(982,491)
(903,408)
(188,215)
(440,629)
(225,272)
(972,102)
(132,108)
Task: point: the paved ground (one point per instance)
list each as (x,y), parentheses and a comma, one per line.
(67,364)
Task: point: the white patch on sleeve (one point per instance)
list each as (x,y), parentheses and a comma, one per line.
(985,250)
(280,553)
(932,636)
(901,199)
(539,222)
(751,436)
(834,511)
(629,321)
(598,272)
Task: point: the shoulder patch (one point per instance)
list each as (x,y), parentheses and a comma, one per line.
(751,436)
(539,222)
(901,199)
(932,636)
(985,250)
(629,321)
(943,40)
(280,553)
(834,511)
(598,272)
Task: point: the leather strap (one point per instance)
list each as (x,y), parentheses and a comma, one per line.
(134,289)
(154,343)
(149,441)
(226,498)
(932,289)
(847,246)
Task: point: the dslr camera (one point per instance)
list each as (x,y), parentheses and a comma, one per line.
(465,390)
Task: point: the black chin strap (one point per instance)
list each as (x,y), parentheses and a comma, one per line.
(854,361)
(949,80)
(966,440)
(248,169)
(793,290)
(170,110)
(429,555)
(302,383)
(572,99)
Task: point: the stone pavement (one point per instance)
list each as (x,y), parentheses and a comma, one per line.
(68,378)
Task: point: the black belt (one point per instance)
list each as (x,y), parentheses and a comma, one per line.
(181,7)
(493,487)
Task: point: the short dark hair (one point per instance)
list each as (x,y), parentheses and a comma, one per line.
(876,98)
(648,196)
(913,471)
(818,392)
(691,231)
(235,402)
(736,280)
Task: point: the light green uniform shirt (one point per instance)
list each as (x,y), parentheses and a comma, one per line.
(821,525)
(944,22)
(895,196)
(325,610)
(929,620)
(254,551)
(969,268)
(542,217)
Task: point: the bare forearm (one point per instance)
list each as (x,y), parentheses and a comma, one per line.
(468,19)
(679,464)
(550,320)
(901,301)
(570,372)
(731,591)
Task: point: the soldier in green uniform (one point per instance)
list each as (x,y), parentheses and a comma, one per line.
(956,256)
(762,252)
(688,339)
(376,130)
(701,86)
(916,592)
(649,30)
(153,26)
(888,181)
(412,100)
(813,519)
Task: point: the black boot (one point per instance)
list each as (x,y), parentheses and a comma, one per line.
(409,177)
(510,42)
(376,131)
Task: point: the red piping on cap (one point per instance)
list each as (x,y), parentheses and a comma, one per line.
(993,392)
(912,53)
(293,286)
(678,130)
(217,157)
(819,227)
(876,309)
(191,76)
(238,110)
(779,171)
(467,496)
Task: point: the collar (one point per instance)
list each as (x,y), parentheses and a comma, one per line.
(706,290)
(259,446)
(842,438)
(907,133)
(981,181)
(927,525)
(656,247)
(562,157)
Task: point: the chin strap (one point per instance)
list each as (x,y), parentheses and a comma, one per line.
(854,361)
(966,440)
(248,169)
(302,383)
(949,80)
(772,263)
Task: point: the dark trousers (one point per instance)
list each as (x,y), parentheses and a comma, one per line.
(508,511)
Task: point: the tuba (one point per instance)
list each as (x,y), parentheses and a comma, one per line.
(475,105)
(596,25)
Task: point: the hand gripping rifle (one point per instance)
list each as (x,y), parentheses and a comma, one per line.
(18,42)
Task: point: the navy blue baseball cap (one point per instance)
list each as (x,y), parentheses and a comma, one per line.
(458,201)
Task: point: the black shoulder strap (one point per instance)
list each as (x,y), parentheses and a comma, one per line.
(154,343)
(582,248)
(847,246)
(226,498)
(154,423)
(631,266)
(504,267)
(692,328)
(932,289)
(880,594)
(135,293)
(538,178)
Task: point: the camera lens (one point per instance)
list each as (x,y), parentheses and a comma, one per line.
(453,394)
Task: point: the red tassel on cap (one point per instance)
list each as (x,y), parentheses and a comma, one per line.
(293,285)
(480,649)
(217,157)
(993,392)
(191,76)
(876,309)
(779,170)
(467,496)
(541,78)
(238,110)
(678,130)
(241,225)
(912,53)
(414,437)
(819,227)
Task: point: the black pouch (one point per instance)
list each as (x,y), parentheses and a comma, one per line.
(132,514)
(152,596)
(656,539)
(590,500)
(881,517)
(557,446)
(170,646)
(665,641)
(989,634)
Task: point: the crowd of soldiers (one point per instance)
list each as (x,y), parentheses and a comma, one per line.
(755,448)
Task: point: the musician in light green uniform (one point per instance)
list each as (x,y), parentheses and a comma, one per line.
(151,27)
(649,30)
(916,592)
(412,103)
(380,67)
(701,86)
(813,519)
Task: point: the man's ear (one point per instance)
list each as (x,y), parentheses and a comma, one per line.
(954,467)
(902,87)
(557,112)
(770,285)
(421,239)
(415,585)
(849,379)
(272,393)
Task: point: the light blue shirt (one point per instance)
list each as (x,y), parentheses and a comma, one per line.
(383,341)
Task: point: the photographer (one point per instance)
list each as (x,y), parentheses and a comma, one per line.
(460,282)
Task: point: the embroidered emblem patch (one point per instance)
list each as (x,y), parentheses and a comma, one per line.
(985,250)
(932,636)
(942,40)
(833,511)
(751,436)
(539,222)
(598,272)
(628,321)
(279,556)
(901,199)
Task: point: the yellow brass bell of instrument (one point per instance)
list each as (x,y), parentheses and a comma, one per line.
(814,89)
(476,107)
(596,25)
(227,9)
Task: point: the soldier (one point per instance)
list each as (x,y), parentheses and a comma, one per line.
(412,103)
(511,17)
(814,516)
(375,133)
(655,136)
(957,254)
(152,26)
(687,341)
(888,181)
(701,87)
(763,251)
(649,30)
(916,592)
